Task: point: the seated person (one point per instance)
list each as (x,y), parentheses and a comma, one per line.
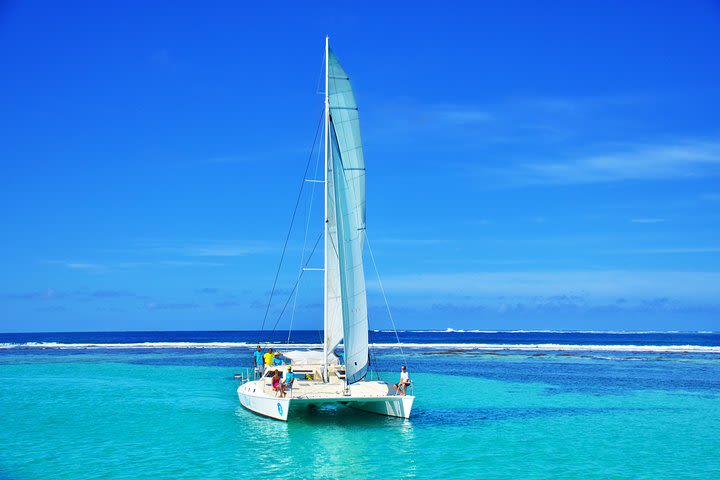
(277,385)
(289,379)
(403,383)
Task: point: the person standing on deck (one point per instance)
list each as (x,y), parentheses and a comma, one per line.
(258,360)
(277,360)
(268,357)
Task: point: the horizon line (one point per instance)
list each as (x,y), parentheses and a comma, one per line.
(412,330)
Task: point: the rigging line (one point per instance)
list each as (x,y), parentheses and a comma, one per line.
(302,253)
(292,221)
(374,364)
(296,284)
(387,305)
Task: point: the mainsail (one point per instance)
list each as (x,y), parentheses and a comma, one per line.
(346,302)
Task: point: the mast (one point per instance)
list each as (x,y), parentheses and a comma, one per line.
(325,229)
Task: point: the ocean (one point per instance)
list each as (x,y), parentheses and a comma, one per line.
(516,404)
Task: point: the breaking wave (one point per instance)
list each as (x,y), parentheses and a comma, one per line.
(600,332)
(420,346)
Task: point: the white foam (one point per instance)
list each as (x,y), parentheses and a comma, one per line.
(594,332)
(69,346)
(447,330)
(562,347)
(421,346)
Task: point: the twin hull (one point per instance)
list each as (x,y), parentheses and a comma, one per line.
(253,398)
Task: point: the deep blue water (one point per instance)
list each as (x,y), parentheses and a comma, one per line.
(406,336)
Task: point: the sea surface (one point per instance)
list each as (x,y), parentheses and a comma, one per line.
(496,405)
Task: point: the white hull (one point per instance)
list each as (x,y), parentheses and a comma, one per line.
(254,397)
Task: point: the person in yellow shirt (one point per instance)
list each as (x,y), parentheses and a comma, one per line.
(268,357)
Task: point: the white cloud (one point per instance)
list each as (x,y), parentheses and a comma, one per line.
(220,250)
(412,117)
(648,220)
(680,160)
(460,115)
(82,266)
(672,250)
(203,248)
(102,268)
(587,284)
(181,263)
(49,294)
(171,306)
(408,241)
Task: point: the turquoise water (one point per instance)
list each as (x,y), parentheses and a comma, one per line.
(175,414)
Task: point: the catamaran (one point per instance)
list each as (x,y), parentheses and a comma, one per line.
(326,378)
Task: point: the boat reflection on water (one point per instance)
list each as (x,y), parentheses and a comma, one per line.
(327,439)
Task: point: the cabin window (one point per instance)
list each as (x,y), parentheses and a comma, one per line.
(304,374)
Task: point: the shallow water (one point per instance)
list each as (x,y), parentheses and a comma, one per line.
(174,413)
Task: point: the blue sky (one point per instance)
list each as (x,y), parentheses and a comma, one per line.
(530,165)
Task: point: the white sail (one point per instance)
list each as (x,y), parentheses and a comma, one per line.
(346,226)
(333,304)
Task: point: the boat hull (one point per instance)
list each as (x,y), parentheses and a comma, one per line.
(397,406)
(254,399)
